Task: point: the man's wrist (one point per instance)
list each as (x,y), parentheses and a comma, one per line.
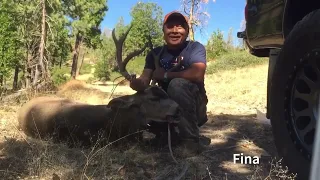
(172,75)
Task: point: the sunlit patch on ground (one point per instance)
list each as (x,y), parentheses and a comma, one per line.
(235,168)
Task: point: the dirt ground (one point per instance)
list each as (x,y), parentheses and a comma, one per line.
(235,97)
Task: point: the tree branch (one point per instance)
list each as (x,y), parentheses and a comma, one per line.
(50,30)
(186,11)
(185,7)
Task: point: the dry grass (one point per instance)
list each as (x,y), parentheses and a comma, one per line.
(232,127)
(72,85)
(80,91)
(239,91)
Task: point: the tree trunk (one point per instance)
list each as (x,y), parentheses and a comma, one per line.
(53,61)
(15,78)
(191,30)
(81,62)
(27,69)
(1,80)
(4,81)
(191,33)
(40,67)
(35,75)
(60,63)
(22,81)
(115,67)
(75,56)
(43,38)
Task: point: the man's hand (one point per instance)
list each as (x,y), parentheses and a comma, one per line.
(141,83)
(138,84)
(158,74)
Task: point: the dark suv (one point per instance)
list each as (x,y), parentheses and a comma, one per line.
(288,32)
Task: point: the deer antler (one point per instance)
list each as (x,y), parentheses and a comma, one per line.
(122,63)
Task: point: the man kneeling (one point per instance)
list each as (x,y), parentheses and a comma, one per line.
(185,85)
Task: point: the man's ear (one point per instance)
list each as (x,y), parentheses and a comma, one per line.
(187,30)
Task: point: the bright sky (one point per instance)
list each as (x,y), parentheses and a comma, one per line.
(224,14)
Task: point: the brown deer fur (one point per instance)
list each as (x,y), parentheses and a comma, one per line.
(75,122)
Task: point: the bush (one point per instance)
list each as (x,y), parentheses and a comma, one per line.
(102,70)
(60,75)
(216,45)
(234,60)
(136,65)
(86,68)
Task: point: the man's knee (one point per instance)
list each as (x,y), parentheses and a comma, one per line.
(183,92)
(181,87)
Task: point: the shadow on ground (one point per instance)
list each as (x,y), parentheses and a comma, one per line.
(230,134)
(236,134)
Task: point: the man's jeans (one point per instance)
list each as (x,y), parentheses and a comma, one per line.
(193,104)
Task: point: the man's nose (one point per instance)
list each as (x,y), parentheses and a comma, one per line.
(175,29)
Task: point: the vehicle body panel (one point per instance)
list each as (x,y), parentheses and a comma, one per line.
(264,24)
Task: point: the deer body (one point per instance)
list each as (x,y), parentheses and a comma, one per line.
(75,122)
(64,119)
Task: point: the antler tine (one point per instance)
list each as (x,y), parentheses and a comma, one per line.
(119,45)
(114,35)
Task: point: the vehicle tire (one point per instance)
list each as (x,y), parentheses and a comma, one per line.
(295,92)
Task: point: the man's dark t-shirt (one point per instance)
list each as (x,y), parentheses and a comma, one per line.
(192,52)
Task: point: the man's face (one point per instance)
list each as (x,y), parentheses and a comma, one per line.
(175,31)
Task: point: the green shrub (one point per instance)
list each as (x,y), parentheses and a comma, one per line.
(86,68)
(136,65)
(114,75)
(234,60)
(102,70)
(90,80)
(216,45)
(60,75)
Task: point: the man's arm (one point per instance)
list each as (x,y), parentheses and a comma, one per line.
(143,81)
(146,76)
(149,67)
(197,69)
(195,73)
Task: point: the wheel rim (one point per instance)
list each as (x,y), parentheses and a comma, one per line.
(304,102)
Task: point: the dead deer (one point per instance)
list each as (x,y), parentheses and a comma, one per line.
(84,124)
(76,123)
